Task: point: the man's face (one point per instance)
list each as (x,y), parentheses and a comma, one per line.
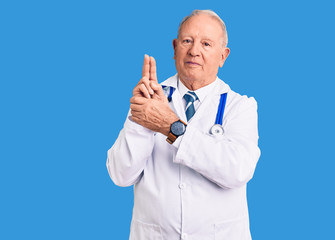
(198,50)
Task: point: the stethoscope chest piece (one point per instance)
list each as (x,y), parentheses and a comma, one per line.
(217,130)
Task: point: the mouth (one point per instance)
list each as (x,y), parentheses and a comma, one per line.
(190,63)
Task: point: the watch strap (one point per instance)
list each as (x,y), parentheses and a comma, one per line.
(171,138)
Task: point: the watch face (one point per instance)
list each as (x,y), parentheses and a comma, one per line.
(178,128)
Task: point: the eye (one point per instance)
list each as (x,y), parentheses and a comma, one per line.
(186,41)
(206,44)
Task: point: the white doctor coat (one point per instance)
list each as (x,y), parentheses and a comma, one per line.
(195,189)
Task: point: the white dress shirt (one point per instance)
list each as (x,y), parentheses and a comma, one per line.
(201,93)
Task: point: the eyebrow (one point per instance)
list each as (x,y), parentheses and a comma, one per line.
(209,40)
(203,38)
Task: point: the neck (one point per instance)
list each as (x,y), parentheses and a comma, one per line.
(195,84)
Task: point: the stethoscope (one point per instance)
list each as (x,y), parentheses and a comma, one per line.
(217,128)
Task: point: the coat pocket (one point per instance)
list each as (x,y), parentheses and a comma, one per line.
(233,230)
(144,231)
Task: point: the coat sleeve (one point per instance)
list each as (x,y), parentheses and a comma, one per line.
(228,160)
(129,154)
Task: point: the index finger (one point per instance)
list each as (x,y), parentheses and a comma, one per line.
(153,72)
(138,100)
(146,66)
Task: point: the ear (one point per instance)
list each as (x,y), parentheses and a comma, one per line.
(174,43)
(224,55)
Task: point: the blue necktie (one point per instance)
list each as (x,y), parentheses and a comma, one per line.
(190,97)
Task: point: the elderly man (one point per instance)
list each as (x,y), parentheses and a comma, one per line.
(190,145)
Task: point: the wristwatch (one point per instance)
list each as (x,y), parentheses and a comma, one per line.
(176,129)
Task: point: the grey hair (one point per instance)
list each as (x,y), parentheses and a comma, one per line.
(209,13)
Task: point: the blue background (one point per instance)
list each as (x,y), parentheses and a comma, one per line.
(67,69)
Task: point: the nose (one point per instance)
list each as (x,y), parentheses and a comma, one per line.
(194,50)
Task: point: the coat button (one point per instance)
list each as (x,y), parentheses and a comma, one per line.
(182,185)
(184,236)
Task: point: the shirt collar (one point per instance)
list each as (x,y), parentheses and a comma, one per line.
(218,88)
(201,92)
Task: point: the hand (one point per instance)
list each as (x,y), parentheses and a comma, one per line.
(143,88)
(149,106)
(154,114)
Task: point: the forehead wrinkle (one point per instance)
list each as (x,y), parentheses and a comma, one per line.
(202,31)
(197,34)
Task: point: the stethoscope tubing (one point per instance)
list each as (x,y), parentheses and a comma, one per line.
(219,115)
